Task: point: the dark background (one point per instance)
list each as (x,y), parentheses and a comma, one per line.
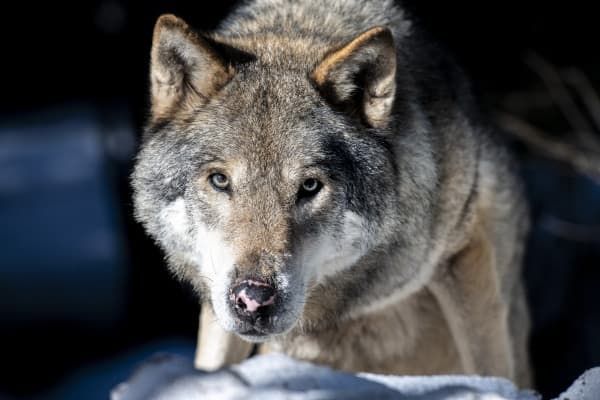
(82,287)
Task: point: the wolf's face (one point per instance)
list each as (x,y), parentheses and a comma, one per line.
(255,186)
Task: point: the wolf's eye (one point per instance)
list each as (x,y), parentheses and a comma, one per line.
(219,181)
(309,188)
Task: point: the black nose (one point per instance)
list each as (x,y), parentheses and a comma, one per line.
(252,298)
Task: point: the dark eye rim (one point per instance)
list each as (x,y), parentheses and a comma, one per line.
(219,186)
(307,193)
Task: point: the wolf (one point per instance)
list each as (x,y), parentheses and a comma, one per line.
(320,173)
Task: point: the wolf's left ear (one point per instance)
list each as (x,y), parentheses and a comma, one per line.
(361,75)
(184,65)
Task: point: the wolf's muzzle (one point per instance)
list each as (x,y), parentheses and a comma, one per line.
(252,299)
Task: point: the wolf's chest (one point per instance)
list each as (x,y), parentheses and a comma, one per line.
(410,337)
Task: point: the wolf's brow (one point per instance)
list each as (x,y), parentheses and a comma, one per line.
(209,159)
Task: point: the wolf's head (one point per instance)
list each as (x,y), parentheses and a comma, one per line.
(265,169)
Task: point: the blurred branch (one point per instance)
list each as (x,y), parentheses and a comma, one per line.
(562,98)
(585,161)
(584,88)
(571,231)
(579,148)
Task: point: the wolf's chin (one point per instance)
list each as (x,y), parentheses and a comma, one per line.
(258,338)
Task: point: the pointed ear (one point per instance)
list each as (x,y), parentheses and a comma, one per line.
(361,75)
(184,67)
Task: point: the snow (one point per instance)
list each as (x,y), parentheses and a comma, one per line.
(586,387)
(275,376)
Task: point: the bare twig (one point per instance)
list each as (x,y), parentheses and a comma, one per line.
(583,160)
(584,88)
(563,99)
(571,231)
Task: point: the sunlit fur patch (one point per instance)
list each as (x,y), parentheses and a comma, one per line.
(216,261)
(213,257)
(175,217)
(333,251)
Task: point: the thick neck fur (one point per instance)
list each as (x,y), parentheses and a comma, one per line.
(298,34)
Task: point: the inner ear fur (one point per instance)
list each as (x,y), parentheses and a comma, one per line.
(185,67)
(361,75)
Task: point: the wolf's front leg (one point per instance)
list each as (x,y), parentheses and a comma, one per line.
(469,294)
(216,347)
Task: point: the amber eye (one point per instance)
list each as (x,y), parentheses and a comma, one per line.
(219,181)
(309,188)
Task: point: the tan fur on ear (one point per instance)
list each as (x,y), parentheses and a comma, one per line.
(185,69)
(372,53)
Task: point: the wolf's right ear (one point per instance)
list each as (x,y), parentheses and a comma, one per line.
(184,67)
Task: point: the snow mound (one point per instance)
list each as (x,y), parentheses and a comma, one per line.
(275,376)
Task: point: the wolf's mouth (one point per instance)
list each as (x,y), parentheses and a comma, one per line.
(255,335)
(258,330)
(253,332)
